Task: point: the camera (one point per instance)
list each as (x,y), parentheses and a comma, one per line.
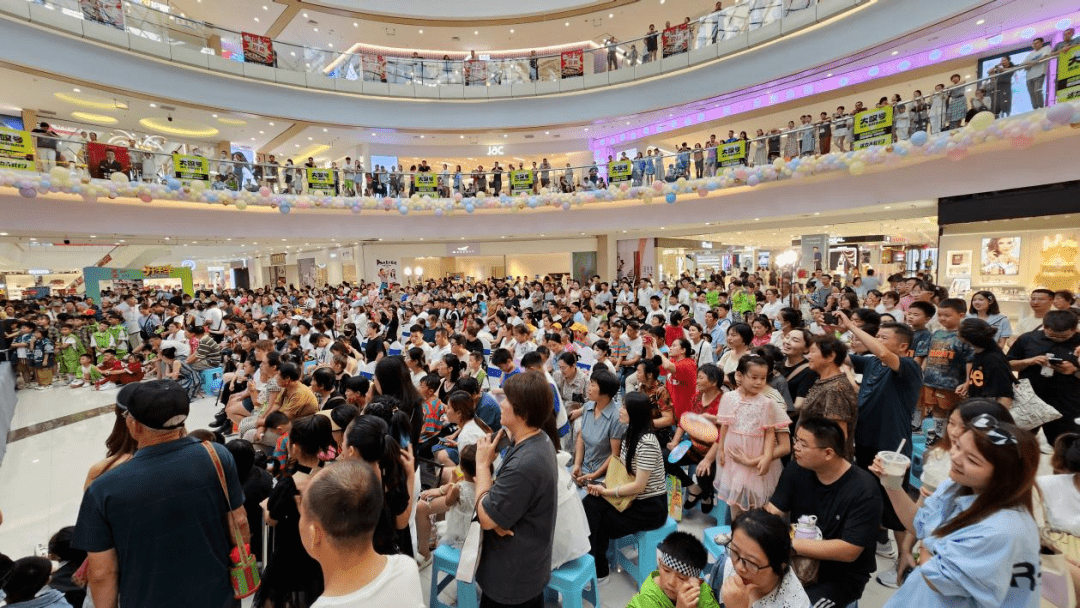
(829,318)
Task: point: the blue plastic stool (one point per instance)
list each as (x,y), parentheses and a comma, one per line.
(715,550)
(645,543)
(445,559)
(574,581)
(211,380)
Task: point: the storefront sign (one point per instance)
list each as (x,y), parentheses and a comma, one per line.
(39,271)
(16,150)
(1068,75)
(453,249)
(320,179)
(619,171)
(521,181)
(258,49)
(157,272)
(495,151)
(187,166)
(277,259)
(426,183)
(732,154)
(873,128)
(573,64)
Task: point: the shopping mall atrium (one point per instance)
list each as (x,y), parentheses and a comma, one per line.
(426,187)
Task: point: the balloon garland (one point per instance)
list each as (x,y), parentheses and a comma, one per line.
(1020,131)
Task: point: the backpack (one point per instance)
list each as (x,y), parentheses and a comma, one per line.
(148,328)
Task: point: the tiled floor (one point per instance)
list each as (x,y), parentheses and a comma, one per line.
(42,476)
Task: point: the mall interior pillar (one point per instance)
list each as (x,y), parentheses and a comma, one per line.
(29,119)
(606,257)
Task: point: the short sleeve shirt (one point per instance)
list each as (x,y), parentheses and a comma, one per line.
(887,401)
(164,513)
(991,377)
(848,509)
(834,398)
(523,500)
(682,384)
(598,432)
(920,343)
(946,364)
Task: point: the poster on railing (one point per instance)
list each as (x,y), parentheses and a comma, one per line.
(258,49)
(188,166)
(872,128)
(676,39)
(734,153)
(374,68)
(320,179)
(521,181)
(619,171)
(476,72)
(102,160)
(573,64)
(105,12)
(1068,75)
(425,183)
(16,150)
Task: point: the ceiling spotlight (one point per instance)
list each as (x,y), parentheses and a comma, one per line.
(611,15)
(324,130)
(309,139)
(270,123)
(316,29)
(330,44)
(980,22)
(511,30)
(355,24)
(266,8)
(214,115)
(153,105)
(421,31)
(305,15)
(476,32)
(895,52)
(567,24)
(256,19)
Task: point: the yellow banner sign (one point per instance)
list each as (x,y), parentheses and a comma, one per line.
(872,128)
(619,171)
(1068,75)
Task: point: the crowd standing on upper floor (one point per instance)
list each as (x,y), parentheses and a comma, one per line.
(366,424)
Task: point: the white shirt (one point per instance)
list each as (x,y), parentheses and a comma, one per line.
(470,434)
(1037,69)
(183,350)
(212,317)
(772,310)
(397,586)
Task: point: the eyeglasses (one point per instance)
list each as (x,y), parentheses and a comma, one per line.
(736,559)
(996,434)
(802,445)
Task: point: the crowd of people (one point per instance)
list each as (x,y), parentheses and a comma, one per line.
(367,424)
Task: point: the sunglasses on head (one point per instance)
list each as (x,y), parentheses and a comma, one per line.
(996,434)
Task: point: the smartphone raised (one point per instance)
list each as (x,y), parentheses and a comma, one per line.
(501,439)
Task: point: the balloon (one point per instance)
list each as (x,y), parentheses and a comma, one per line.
(703,191)
(119,178)
(469,208)
(264,191)
(919,138)
(27,192)
(1022,142)
(753,180)
(658,185)
(146,198)
(198,185)
(956,153)
(857,168)
(981,121)
(566,206)
(285,208)
(670,198)
(403,210)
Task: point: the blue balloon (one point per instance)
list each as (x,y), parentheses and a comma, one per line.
(532,202)
(469,208)
(285,209)
(918,138)
(403,210)
(173,184)
(670,198)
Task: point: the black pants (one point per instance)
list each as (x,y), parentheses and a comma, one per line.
(1056,428)
(606,523)
(536,602)
(830,594)
(705,482)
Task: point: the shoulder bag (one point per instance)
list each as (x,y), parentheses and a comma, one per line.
(1028,409)
(244,572)
(469,560)
(1055,549)
(616,476)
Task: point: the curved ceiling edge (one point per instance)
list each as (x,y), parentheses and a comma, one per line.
(572,9)
(74,58)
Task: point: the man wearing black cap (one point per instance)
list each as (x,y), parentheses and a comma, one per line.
(155,528)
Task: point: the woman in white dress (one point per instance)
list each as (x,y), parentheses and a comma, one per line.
(937,109)
(761,149)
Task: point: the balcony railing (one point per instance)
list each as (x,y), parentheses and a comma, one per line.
(380,71)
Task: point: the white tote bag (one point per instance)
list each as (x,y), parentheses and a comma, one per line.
(470,550)
(1028,409)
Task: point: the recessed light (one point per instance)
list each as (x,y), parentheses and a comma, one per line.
(3,234)
(309,139)
(330,44)
(167,238)
(567,24)
(256,19)
(829,75)
(421,31)
(324,130)
(283,240)
(316,29)
(122,241)
(228,239)
(511,31)
(153,105)
(252,139)
(895,52)
(270,123)
(980,22)
(462,136)
(305,15)
(77,90)
(373,135)
(355,24)
(214,115)
(93,236)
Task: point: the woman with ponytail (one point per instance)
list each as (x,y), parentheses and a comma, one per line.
(449,369)
(370,438)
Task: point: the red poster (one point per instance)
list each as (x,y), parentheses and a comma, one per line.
(103,160)
(258,49)
(573,64)
(676,39)
(476,72)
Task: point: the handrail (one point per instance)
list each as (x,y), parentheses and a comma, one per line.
(392,66)
(230,174)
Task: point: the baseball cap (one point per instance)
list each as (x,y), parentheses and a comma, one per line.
(579,327)
(158,404)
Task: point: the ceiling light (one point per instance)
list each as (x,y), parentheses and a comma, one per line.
(330,44)
(77,90)
(309,139)
(567,24)
(980,22)
(316,29)
(324,130)
(167,238)
(122,241)
(895,52)
(476,32)
(355,24)
(93,236)
(153,105)
(462,136)
(33,238)
(98,118)
(511,30)
(256,19)
(214,115)
(611,15)
(190,129)
(252,139)
(270,123)
(373,135)
(3,234)
(421,31)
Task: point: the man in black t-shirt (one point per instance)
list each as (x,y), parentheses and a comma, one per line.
(847,503)
(1052,348)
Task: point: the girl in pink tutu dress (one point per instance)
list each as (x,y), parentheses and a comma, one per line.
(748,421)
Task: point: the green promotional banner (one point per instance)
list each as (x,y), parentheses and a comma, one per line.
(619,171)
(320,179)
(187,166)
(873,128)
(1068,75)
(521,181)
(16,150)
(732,154)
(425,183)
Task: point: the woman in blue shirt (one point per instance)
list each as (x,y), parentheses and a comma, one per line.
(980,541)
(985,306)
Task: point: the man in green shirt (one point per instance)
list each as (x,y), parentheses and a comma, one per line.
(742,300)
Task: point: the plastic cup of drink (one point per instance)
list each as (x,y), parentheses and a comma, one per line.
(895,465)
